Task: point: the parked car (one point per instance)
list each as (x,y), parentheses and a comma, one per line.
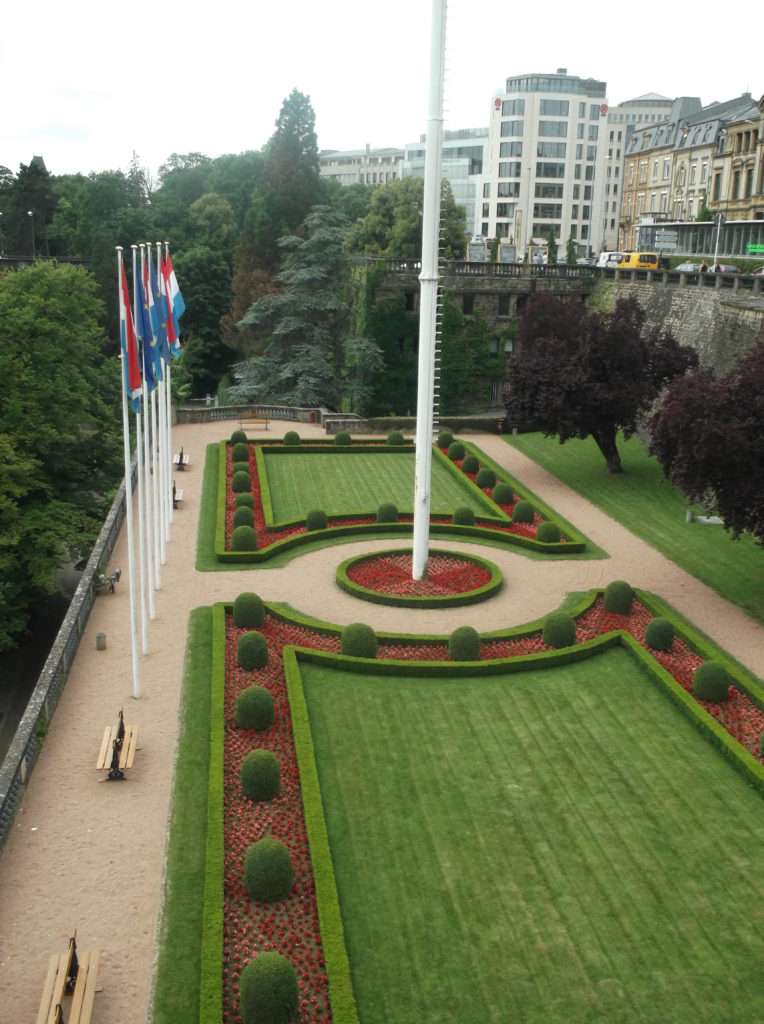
(759,272)
(724,268)
(586,261)
(609,259)
(688,268)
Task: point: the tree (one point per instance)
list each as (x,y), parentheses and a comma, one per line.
(708,435)
(577,374)
(570,252)
(31,190)
(206,278)
(552,245)
(466,363)
(352,200)
(705,214)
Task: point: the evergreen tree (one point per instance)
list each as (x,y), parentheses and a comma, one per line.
(206,277)
(570,252)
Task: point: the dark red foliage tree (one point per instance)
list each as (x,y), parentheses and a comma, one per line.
(578,373)
(708,435)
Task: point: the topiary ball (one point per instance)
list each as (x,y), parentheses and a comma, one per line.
(268,872)
(503,494)
(240,467)
(522,512)
(242,517)
(618,597)
(395,437)
(660,634)
(711,682)
(291,437)
(387,513)
(316,520)
(243,538)
(252,651)
(268,990)
(254,709)
(240,452)
(548,533)
(248,611)
(238,437)
(343,438)
(559,630)
(470,464)
(244,500)
(456,451)
(464,644)
(486,478)
(241,482)
(359,641)
(445,439)
(260,775)
(464,516)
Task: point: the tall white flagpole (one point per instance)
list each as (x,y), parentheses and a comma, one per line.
(167,463)
(128,496)
(151,466)
(429,291)
(149,511)
(169,397)
(141,523)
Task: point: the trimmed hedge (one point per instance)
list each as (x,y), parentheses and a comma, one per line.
(522,512)
(291,437)
(343,439)
(268,990)
(464,516)
(559,630)
(660,634)
(241,482)
(260,775)
(387,513)
(238,437)
(618,597)
(711,682)
(254,709)
(470,464)
(243,517)
(548,533)
(316,519)
(396,438)
(268,872)
(456,451)
(244,538)
(252,651)
(445,439)
(248,610)
(486,478)
(240,452)
(244,500)
(503,494)
(240,467)
(464,644)
(359,640)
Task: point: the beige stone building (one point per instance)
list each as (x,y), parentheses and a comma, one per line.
(737,187)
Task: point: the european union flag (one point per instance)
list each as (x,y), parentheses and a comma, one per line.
(145,334)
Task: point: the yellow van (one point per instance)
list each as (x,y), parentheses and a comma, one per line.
(639,261)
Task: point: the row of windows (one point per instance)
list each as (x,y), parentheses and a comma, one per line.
(551,130)
(511,149)
(542,190)
(540,83)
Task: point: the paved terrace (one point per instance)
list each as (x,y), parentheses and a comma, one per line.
(90,856)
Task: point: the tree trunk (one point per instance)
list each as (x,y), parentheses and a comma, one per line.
(605,440)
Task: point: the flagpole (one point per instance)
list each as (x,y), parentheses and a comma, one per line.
(151,465)
(170,506)
(128,497)
(141,523)
(147,496)
(166,462)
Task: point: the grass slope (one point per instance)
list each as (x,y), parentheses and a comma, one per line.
(555,846)
(642,500)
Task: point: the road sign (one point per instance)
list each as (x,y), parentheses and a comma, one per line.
(754,250)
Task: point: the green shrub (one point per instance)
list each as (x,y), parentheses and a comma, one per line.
(711,682)
(464,644)
(248,611)
(548,533)
(316,520)
(244,500)
(343,438)
(254,709)
(260,775)
(486,478)
(470,464)
(238,437)
(559,630)
(244,538)
(387,513)
(660,634)
(252,651)
(359,640)
(268,990)
(445,439)
(268,872)
(395,437)
(240,483)
(243,517)
(522,512)
(503,494)
(240,452)
(761,743)
(240,467)
(456,451)
(618,597)
(464,516)
(291,437)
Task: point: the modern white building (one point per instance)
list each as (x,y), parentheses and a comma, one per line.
(546,162)
(361,166)
(464,160)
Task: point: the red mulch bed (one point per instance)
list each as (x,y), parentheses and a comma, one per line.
(291,927)
(391,574)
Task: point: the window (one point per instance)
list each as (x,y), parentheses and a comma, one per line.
(693,169)
(510,107)
(582,110)
(511,149)
(468,304)
(749,182)
(655,170)
(502,230)
(664,202)
(508,188)
(588,193)
(667,168)
(611,136)
(717,186)
(484,229)
(550,149)
(577,171)
(586,213)
(736,186)
(485,210)
(579,151)
(615,190)
(580,131)
(551,129)
(486,190)
(505,209)
(504,305)
(703,173)
(576,191)
(574,211)
(511,128)
(594,112)
(544,170)
(545,191)
(584,232)
(612,223)
(553,108)
(589,174)
(542,230)
(510,170)
(574,230)
(653,201)
(547,211)
(591,152)
(593,132)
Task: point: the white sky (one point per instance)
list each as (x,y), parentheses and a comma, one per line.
(85,83)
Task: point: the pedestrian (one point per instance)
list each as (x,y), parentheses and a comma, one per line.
(704,267)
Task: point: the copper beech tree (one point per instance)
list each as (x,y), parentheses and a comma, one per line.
(578,373)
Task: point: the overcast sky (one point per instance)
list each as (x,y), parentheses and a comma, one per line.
(87,82)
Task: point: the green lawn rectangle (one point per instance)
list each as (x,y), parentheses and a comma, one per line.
(349,483)
(558,845)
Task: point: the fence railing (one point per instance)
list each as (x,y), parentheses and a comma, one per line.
(271,411)
(30,732)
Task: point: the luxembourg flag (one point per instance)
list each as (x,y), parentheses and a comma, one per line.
(130,363)
(176,298)
(173,329)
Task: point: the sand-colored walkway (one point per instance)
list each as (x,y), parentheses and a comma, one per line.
(90,855)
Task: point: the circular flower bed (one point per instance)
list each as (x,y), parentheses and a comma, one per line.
(451,579)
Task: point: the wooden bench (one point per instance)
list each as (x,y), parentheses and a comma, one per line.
(69,974)
(255,424)
(182,460)
(177,496)
(117,751)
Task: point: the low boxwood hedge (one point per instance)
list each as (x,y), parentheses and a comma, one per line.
(359,641)
(464,644)
(240,452)
(445,439)
(248,611)
(485,479)
(268,872)
(396,438)
(243,517)
(470,464)
(503,494)
(456,451)
(243,538)
(559,630)
(618,597)
(387,513)
(711,682)
(254,709)
(260,775)
(252,651)
(548,533)
(522,512)
(241,482)
(268,990)
(463,516)
(291,437)
(659,634)
(316,519)
(343,439)
(245,500)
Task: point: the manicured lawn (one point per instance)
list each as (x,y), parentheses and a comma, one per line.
(654,509)
(549,847)
(348,483)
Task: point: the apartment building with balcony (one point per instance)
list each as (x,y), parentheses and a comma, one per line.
(737,171)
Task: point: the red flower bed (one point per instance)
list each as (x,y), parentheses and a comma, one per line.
(391,574)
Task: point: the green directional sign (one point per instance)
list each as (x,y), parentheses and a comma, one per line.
(754,250)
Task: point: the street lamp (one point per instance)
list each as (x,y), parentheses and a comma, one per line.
(30,214)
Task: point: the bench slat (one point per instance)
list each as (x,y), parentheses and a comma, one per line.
(104,754)
(60,983)
(79,988)
(129,744)
(90,990)
(47,989)
(178,496)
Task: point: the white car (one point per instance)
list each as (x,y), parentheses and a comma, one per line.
(688,268)
(609,259)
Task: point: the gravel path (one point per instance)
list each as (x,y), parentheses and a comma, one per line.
(90,856)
